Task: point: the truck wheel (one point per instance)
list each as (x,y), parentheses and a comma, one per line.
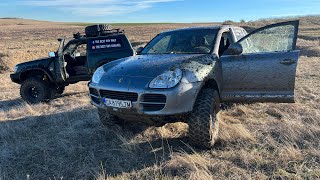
(108,119)
(34,90)
(95,30)
(203,124)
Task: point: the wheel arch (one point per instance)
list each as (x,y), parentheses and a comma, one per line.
(211,83)
(35,72)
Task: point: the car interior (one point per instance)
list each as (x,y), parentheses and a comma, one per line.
(198,44)
(76,59)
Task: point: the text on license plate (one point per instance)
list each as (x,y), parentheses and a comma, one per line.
(117,103)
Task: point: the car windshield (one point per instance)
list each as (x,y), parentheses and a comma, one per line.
(192,41)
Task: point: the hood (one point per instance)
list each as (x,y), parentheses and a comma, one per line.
(136,72)
(149,66)
(37,62)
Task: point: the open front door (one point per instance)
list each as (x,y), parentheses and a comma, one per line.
(60,65)
(265,70)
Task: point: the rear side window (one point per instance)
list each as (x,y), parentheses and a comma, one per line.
(244,32)
(239,33)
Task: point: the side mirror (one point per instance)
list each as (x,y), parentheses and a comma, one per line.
(139,50)
(52,54)
(234,49)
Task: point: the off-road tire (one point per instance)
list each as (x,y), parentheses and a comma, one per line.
(35,90)
(203,123)
(95,30)
(108,119)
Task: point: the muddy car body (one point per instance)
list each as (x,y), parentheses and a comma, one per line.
(185,74)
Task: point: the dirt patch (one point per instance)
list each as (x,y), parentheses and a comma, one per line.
(3,67)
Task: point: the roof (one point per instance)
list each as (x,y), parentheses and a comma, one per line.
(216,27)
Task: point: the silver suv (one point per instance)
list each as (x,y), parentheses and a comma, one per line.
(184,75)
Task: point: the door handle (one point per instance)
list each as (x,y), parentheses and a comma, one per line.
(288,61)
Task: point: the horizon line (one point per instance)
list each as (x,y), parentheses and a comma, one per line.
(86,22)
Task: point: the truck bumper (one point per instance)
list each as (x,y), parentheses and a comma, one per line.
(148,102)
(15,78)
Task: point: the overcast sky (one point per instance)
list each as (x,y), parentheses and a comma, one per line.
(113,11)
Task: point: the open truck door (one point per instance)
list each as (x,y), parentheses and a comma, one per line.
(60,65)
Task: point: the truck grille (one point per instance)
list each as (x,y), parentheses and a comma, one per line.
(153,102)
(129,96)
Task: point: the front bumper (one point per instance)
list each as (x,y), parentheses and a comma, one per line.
(14,78)
(150,102)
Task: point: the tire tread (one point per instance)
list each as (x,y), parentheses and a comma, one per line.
(201,132)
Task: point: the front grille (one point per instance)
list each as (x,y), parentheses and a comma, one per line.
(153,107)
(158,98)
(129,96)
(95,100)
(153,102)
(94,92)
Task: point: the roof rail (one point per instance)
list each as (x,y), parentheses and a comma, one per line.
(111,31)
(78,35)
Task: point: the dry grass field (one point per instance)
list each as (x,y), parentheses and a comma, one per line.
(63,139)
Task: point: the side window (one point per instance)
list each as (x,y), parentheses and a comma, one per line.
(81,50)
(225,42)
(278,38)
(69,49)
(161,46)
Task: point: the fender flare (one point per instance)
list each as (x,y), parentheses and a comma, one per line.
(48,74)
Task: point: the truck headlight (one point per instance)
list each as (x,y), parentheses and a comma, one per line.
(168,79)
(97,75)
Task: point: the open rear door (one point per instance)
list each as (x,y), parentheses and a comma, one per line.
(266,69)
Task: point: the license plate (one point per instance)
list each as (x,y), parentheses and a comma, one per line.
(117,103)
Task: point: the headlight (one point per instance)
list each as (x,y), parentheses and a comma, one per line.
(168,79)
(15,69)
(97,75)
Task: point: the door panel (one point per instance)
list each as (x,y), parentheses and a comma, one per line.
(265,71)
(259,77)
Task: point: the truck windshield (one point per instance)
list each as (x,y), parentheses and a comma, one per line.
(192,41)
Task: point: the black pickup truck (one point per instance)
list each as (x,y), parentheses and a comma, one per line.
(74,61)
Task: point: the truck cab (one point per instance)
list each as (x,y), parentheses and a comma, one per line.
(74,61)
